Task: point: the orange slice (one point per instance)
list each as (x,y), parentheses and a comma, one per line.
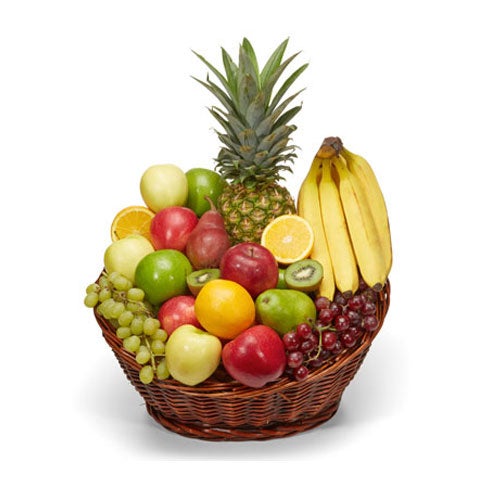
(289,237)
(135,219)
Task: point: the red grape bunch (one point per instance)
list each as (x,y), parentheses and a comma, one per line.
(339,325)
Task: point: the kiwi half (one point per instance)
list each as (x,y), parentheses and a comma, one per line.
(197,279)
(304,275)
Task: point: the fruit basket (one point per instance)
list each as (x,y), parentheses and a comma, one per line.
(223,410)
(234,310)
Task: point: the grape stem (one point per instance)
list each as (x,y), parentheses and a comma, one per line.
(121,296)
(320,330)
(152,358)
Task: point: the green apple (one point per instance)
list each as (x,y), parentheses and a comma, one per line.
(123,255)
(163,185)
(192,354)
(203,183)
(162,275)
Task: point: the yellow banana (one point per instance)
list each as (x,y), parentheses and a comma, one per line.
(363,172)
(337,235)
(361,225)
(308,207)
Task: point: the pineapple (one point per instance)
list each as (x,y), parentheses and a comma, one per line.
(256,143)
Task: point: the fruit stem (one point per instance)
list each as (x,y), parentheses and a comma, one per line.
(330,147)
(320,330)
(319,348)
(152,357)
(213,208)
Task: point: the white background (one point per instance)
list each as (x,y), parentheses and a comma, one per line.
(94,92)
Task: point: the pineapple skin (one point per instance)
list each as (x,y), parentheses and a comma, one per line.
(255,137)
(247,211)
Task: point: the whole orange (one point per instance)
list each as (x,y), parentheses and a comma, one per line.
(224,308)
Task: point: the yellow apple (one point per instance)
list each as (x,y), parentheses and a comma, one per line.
(123,255)
(164,185)
(192,354)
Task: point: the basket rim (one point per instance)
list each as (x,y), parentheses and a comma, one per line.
(224,389)
(238,390)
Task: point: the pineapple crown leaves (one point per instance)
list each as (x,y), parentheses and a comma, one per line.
(255,119)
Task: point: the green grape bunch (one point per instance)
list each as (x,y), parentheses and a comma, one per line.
(116,299)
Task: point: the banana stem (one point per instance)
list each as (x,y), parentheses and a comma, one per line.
(331,146)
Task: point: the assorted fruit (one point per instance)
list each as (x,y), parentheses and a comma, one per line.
(221,270)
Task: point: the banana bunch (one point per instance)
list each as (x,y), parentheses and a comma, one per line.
(342,200)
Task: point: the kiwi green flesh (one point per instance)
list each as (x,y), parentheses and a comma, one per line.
(304,275)
(197,279)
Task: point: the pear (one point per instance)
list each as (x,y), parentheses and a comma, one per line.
(208,241)
(284,309)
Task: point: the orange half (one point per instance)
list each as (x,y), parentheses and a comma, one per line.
(289,237)
(135,219)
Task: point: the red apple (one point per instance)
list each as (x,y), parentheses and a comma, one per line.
(171,227)
(255,357)
(177,311)
(251,265)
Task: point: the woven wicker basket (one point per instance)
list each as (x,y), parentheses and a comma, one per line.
(223,410)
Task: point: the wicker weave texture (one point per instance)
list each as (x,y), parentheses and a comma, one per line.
(221,409)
